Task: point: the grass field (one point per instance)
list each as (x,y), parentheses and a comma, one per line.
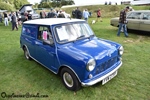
(20,76)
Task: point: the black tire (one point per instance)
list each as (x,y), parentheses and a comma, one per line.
(69,79)
(26,53)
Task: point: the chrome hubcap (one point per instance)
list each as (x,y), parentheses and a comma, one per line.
(68,79)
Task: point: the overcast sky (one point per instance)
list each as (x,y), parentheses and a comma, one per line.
(79,2)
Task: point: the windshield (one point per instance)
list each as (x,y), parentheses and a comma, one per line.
(73,32)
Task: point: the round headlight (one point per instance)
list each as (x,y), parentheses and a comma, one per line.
(91,65)
(121,50)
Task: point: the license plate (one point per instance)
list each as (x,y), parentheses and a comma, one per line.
(109,78)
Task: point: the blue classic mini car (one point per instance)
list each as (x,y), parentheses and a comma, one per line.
(68,47)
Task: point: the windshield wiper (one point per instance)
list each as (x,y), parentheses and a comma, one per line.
(92,35)
(65,40)
(80,37)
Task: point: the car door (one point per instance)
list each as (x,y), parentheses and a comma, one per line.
(134,20)
(45,53)
(145,24)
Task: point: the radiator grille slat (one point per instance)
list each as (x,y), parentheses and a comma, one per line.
(102,67)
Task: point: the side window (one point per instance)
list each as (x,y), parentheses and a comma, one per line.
(44,33)
(130,16)
(29,30)
(135,15)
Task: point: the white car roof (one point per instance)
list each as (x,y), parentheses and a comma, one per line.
(141,11)
(52,21)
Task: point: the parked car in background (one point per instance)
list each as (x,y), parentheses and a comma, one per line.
(28,8)
(68,47)
(137,20)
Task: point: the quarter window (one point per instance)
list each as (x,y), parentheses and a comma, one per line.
(29,30)
(146,16)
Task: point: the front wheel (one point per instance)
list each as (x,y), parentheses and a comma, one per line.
(70,80)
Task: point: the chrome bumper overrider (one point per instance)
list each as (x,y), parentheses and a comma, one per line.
(101,78)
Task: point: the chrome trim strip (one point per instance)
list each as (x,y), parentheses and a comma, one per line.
(72,71)
(101,78)
(43,65)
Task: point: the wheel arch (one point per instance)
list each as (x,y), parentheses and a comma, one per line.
(23,47)
(66,66)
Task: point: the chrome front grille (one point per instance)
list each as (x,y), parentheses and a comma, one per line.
(102,67)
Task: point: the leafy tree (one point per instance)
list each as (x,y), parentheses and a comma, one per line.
(19,3)
(35,5)
(14,4)
(46,1)
(44,5)
(56,3)
(6,6)
(70,2)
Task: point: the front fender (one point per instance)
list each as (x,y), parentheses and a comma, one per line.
(74,61)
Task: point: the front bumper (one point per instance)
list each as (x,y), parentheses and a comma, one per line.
(101,78)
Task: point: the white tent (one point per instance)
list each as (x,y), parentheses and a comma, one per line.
(1,11)
(140,2)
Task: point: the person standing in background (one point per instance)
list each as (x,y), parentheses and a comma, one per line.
(86,14)
(52,14)
(73,13)
(40,14)
(43,14)
(61,15)
(14,21)
(130,9)
(25,16)
(99,15)
(6,19)
(78,13)
(29,15)
(123,21)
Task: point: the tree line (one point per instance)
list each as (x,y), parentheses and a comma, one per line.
(12,5)
(54,3)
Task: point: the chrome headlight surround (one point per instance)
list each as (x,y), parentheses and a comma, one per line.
(91,65)
(121,50)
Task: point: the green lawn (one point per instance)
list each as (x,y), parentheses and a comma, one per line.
(20,76)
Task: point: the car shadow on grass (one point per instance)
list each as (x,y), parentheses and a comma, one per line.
(142,33)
